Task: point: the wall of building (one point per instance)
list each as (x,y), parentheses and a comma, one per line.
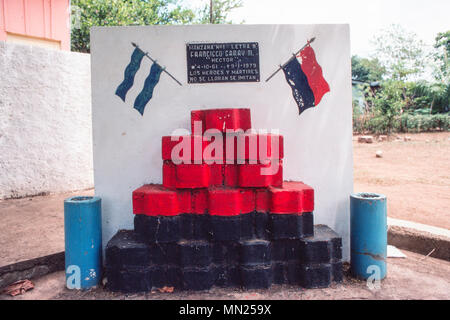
(45,121)
(38,22)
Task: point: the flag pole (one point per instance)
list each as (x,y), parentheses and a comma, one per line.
(293,57)
(154,61)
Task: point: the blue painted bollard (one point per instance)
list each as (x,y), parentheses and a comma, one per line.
(368,229)
(83,241)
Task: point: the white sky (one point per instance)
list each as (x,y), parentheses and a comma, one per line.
(424,17)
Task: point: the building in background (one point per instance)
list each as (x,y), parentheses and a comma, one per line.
(36,22)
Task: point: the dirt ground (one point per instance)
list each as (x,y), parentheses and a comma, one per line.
(32,227)
(414,175)
(414,277)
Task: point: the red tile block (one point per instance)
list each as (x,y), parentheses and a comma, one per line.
(262,201)
(216,174)
(155,200)
(248,200)
(307,194)
(196,144)
(224,202)
(169,174)
(251,175)
(184,201)
(199,201)
(192,176)
(293,197)
(221,119)
(230,175)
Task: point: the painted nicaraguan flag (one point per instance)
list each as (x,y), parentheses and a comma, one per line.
(306,79)
(150,82)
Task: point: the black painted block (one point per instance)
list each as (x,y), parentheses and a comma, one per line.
(286,226)
(125,249)
(285,250)
(198,278)
(246,226)
(195,253)
(159,276)
(195,226)
(322,247)
(227,276)
(226,228)
(202,227)
(323,231)
(337,271)
(261,225)
(225,252)
(164,253)
(308,224)
(255,252)
(314,250)
(174,277)
(145,227)
(131,279)
(187,226)
(316,276)
(256,277)
(169,229)
(279,271)
(162,229)
(294,273)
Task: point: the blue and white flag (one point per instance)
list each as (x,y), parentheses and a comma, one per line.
(130,71)
(147,92)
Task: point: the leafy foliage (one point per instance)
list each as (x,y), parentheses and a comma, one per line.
(217,11)
(367,70)
(400,52)
(441,56)
(124,13)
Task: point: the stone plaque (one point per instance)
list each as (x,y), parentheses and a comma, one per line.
(222,62)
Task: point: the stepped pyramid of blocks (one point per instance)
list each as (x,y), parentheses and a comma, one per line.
(223,223)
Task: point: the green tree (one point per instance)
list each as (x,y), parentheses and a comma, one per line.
(124,13)
(388,102)
(400,52)
(367,70)
(217,11)
(442,56)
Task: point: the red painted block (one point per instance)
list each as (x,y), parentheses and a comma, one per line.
(307,194)
(216,174)
(262,201)
(293,197)
(224,202)
(230,175)
(195,145)
(192,176)
(155,200)
(199,201)
(258,175)
(184,200)
(169,174)
(221,119)
(248,200)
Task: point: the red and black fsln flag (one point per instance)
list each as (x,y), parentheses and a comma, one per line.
(306,80)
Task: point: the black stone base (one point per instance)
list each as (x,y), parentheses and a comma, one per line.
(135,264)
